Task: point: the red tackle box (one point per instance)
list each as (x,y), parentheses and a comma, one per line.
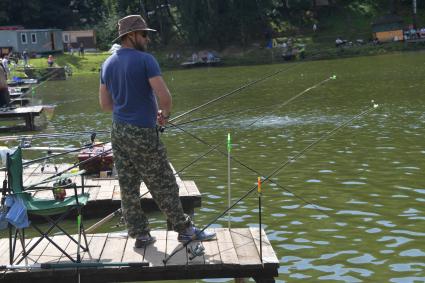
(100,163)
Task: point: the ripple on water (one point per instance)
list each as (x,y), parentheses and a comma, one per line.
(398,241)
(408,279)
(363,259)
(403,267)
(413,253)
(356,212)
(295,247)
(353,183)
(386,223)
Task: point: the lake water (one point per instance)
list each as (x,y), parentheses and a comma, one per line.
(351,209)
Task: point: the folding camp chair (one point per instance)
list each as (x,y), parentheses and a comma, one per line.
(54,211)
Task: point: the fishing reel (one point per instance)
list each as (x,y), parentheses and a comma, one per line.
(196,250)
(49,153)
(25,142)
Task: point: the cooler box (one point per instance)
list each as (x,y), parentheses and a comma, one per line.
(100,163)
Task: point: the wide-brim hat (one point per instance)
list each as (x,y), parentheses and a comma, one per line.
(131,23)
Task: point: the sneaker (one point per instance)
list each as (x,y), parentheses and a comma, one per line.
(195,234)
(144,241)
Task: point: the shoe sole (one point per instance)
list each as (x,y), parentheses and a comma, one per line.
(145,244)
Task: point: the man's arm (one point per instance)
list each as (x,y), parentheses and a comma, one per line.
(161,91)
(105,98)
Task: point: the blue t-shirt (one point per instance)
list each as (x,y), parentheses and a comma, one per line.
(126,75)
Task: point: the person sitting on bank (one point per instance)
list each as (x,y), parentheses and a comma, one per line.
(4,90)
(50,61)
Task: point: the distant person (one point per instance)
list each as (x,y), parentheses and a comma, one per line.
(81,50)
(210,56)
(5,62)
(25,57)
(194,57)
(70,49)
(50,61)
(4,90)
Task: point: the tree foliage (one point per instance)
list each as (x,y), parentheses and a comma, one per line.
(213,23)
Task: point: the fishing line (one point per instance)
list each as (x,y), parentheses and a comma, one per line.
(246,166)
(233,92)
(256,108)
(277,170)
(249,168)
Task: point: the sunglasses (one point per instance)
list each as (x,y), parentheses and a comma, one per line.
(144,34)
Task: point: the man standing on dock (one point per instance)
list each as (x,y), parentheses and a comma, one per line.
(132,87)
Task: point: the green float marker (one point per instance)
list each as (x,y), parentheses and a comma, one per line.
(229,148)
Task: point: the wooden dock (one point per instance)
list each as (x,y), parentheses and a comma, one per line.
(27,113)
(234,254)
(105,192)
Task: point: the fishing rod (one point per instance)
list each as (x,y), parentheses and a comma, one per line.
(119,210)
(237,90)
(232,92)
(79,265)
(57,135)
(273,173)
(251,169)
(56,155)
(59,174)
(256,108)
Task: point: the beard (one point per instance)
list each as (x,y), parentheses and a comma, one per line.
(140,47)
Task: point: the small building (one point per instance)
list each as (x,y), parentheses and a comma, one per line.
(388,28)
(73,38)
(19,40)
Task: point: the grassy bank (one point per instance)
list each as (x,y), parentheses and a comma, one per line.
(91,62)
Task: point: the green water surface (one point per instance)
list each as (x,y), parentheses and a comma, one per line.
(348,210)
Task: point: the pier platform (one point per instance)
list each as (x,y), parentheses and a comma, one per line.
(105,192)
(27,113)
(234,254)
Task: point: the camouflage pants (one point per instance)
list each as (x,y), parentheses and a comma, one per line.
(140,155)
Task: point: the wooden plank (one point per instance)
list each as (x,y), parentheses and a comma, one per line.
(155,253)
(245,247)
(192,189)
(105,192)
(212,251)
(51,253)
(28,244)
(4,251)
(96,245)
(71,248)
(144,192)
(180,258)
(38,251)
(93,193)
(131,254)
(182,189)
(225,245)
(114,247)
(269,256)
(116,195)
